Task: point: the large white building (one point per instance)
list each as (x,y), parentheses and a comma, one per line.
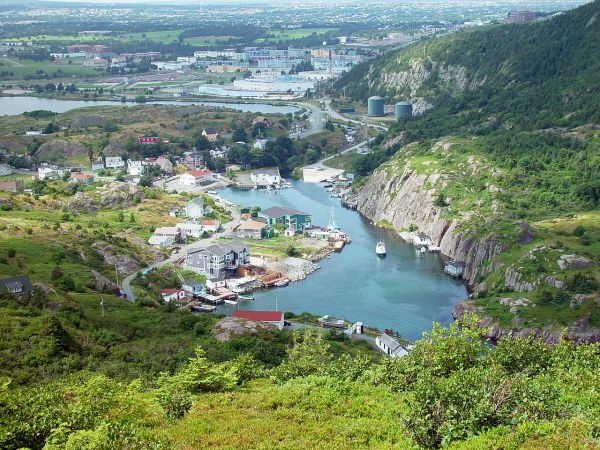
(196,177)
(135,168)
(114,162)
(265,176)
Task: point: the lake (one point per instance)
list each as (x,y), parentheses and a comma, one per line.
(19,105)
(404,291)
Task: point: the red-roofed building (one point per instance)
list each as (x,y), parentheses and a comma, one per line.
(197,177)
(172,294)
(81,178)
(147,140)
(210,225)
(272,317)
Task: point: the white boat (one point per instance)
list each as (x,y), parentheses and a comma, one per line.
(423,249)
(380,248)
(231,302)
(282,283)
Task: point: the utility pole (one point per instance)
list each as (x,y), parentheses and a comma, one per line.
(102,305)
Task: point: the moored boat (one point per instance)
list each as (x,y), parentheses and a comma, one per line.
(246,296)
(380,248)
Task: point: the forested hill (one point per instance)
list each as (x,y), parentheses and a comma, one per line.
(530,76)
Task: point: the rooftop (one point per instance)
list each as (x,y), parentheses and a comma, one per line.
(390,342)
(252,225)
(211,130)
(22,282)
(199,173)
(278,211)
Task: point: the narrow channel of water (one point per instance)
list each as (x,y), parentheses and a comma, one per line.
(404,291)
(19,105)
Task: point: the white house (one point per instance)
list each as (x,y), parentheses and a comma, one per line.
(260,143)
(189,229)
(46,172)
(135,168)
(196,177)
(164,164)
(114,162)
(272,317)
(161,241)
(172,294)
(455,268)
(266,176)
(390,346)
(171,232)
(210,225)
(422,240)
(195,208)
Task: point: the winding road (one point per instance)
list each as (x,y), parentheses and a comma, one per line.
(227,229)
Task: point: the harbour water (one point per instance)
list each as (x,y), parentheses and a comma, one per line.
(405,291)
(19,105)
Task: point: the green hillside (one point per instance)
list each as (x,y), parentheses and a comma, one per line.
(527,76)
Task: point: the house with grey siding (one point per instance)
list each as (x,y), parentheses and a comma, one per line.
(217,260)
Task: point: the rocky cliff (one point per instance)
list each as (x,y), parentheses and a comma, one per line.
(403,200)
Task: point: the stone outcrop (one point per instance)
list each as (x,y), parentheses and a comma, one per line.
(59,149)
(102,283)
(121,195)
(403,200)
(578,333)
(574,262)
(88,120)
(109,253)
(114,148)
(230,327)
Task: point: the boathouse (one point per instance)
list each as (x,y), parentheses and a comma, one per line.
(455,268)
(390,346)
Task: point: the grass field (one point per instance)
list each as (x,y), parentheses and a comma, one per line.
(164,37)
(206,40)
(57,69)
(278,35)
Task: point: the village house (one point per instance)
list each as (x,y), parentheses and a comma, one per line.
(252,229)
(190,229)
(165,165)
(271,317)
(147,140)
(390,346)
(212,284)
(97,165)
(266,176)
(193,287)
(16,286)
(219,152)
(172,232)
(261,120)
(288,217)
(422,240)
(8,186)
(212,134)
(196,177)
(47,172)
(195,208)
(260,144)
(194,160)
(135,167)
(82,178)
(210,225)
(114,162)
(218,260)
(172,294)
(455,268)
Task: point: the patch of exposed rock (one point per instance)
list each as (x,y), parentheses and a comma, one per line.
(230,327)
(114,148)
(579,333)
(574,262)
(102,283)
(89,120)
(121,195)
(59,149)
(82,202)
(111,256)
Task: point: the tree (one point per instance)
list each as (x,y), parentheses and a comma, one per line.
(120,216)
(239,135)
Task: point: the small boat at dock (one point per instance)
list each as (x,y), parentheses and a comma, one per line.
(246,296)
(231,301)
(282,283)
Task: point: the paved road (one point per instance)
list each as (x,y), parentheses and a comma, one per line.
(316,120)
(227,229)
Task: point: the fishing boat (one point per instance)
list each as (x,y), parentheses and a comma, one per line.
(380,248)
(249,296)
(203,308)
(282,283)
(230,301)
